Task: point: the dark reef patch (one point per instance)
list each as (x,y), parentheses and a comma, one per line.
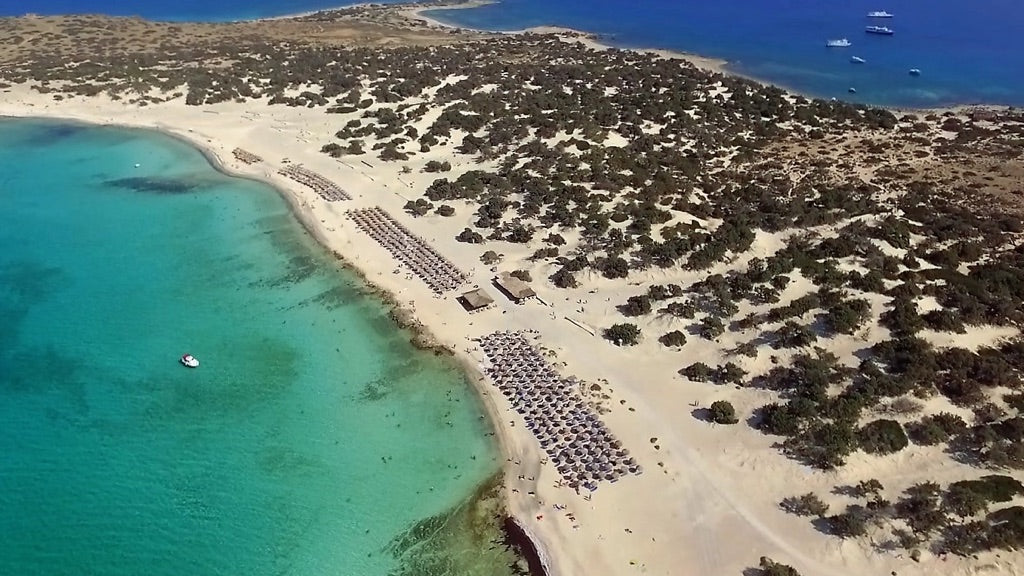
(22,286)
(465,541)
(374,391)
(47,133)
(44,370)
(154,184)
(333,298)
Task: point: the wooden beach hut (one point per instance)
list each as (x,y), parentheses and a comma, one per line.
(475,300)
(513,287)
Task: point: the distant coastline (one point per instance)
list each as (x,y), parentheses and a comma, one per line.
(782,48)
(707,63)
(775,69)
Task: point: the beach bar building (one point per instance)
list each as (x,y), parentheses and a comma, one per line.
(476,299)
(513,287)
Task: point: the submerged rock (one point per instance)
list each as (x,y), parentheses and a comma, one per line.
(154,185)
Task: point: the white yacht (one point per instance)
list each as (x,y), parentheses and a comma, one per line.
(879,14)
(190,361)
(840,43)
(882,30)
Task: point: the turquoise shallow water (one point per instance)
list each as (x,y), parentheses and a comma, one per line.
(312,436)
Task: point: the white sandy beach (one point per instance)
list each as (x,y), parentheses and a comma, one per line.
(707,502)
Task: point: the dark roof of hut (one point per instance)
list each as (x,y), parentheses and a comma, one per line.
(477,299)
(514,287)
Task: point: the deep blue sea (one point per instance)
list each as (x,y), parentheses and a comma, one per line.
(968,51)
(310,438)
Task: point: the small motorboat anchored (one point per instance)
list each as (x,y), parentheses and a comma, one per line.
(840,43)
(915,72)
(857,60)
(190,361)
(881,30)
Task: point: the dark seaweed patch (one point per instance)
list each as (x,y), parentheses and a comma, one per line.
(47,133)
(332,298)
(154,185)
(22,285)
(373,391)
(466,540)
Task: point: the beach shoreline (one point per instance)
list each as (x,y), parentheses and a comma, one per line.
(420,334)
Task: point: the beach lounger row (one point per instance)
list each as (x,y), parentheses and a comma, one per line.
(326,189)
(246,156)
(419,256)
(579,444)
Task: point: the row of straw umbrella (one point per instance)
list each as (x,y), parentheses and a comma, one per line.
(246,156)
(433,268)
(322,186)
(580,445)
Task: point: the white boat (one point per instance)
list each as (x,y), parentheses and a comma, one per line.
(840,43)
(879,14)
(190,361)
(857,60)
(851,90)
(915,72)
(881,30)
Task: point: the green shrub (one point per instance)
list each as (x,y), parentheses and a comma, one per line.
(866,488)
(470,236)
(851,523)
(882,437)
(698,372)
(564,278)
(848,315)
(523,275)
(770,567)
(435,166)
(623,334)
(935,429)
(711,327)
(806,505)
(902,318)
(1006,528)
(615,267)
(729,372)
(680,309)
(793,335)
(962,500)
(920,508)
(542,253)
(722,412)
(779,419)
(1015,400)
(673,338)
(824,445)
(637,305)
(992,488)
(944,321)
(555,239)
